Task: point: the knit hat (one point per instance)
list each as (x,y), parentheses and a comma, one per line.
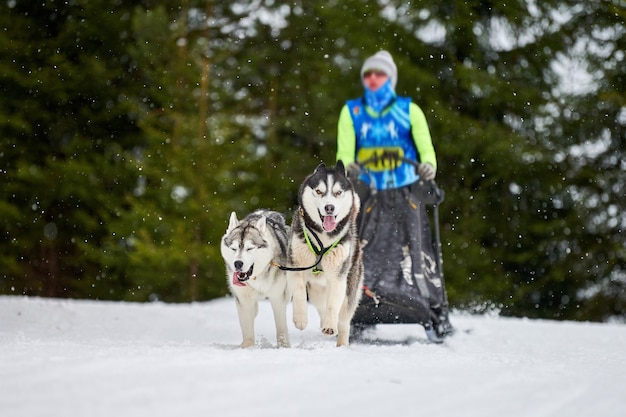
(381,61)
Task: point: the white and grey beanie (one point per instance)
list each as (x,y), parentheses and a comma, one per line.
(381,61)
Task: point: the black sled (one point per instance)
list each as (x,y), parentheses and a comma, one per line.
(404,280)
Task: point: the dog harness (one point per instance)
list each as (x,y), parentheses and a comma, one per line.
(318,252)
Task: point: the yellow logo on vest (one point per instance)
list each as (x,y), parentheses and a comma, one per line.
(377,159)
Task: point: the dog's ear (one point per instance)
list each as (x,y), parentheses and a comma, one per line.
(261,224)
(341,168)
(319,167)
(233,222)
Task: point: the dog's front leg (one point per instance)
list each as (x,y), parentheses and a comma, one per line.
(317,295)
(279,307)
(345,316)
(298,289)
(336,295)
(247,308)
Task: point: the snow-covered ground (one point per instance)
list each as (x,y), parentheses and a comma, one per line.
(88,358)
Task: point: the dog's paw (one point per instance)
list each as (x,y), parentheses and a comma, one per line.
(329,331)
(342,339)
(300,319)
(246,344)
(329,327)
(300,323)
(283,341)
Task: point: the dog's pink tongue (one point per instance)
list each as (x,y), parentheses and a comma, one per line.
(236,280)
(329,223)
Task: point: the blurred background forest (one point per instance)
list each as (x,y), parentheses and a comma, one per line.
(129,130)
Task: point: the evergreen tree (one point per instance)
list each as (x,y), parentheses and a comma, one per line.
(65,83)
(583,131)
(168,243)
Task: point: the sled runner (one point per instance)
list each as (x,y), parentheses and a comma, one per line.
(404,280)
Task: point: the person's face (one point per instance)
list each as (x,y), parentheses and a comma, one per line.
(374,79)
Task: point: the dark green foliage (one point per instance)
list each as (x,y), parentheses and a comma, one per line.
(131,130)
(65,123)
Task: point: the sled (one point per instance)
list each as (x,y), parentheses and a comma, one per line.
(404,281)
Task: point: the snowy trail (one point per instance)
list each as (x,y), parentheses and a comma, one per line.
(87,358)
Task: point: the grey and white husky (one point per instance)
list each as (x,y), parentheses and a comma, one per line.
(324,230)
(248,248)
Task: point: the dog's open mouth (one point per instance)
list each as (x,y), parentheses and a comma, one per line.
(329,223)
(240,277)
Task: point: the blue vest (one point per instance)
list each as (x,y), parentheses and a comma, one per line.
(388,133)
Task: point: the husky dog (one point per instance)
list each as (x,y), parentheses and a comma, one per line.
(249,247)
(324,234)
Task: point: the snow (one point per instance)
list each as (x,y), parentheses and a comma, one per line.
(90,358)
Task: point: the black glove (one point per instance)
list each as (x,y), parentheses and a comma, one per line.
(353,170)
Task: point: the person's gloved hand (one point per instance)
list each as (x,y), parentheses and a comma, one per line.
(353,170)
(426,171)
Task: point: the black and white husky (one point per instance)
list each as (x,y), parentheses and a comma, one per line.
(324,233)
(248,248)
